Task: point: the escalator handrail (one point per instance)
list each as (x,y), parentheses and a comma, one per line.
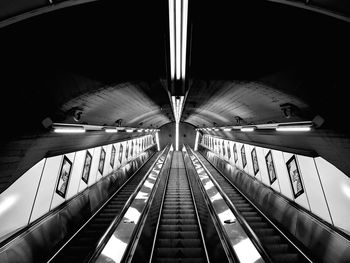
(195,207)
(102,206)
(231,254)
(137,232)
(256,241)
(274,225)
(160,212)
(110,230)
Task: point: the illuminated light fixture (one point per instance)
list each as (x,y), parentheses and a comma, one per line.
(140,130)
(146,130)
(227,129)
(178,19)
(129,130)
(293,128)
(248,129)
(177,103)
(110,130)
(69,129)
(216,129)
(176,136)
(172,38)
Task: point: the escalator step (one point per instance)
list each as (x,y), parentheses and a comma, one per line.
(178,234)
(179,260)
(179,252)
(178,228)
(179,242)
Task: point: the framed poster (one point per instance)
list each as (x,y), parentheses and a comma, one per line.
(270,167)
(132,149)
(255,161)
(102,161)
(112,156)
(244,158)
(235,154)
(294,176)
(63,178)
(223,149)
(86,168)
(127,150)
(120,157)
(228,151)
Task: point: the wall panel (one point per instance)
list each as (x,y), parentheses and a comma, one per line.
(16,202)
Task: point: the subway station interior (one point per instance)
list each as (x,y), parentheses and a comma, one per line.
(174,131)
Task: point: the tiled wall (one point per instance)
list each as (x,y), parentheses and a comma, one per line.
(35,192)
(325,189)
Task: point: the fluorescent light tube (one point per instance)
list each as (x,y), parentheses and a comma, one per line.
(293,128)
(129,130)
(247,129)
(227,129)
(77,129)
(172,38)
(178,37)
(184,38)
(111,130)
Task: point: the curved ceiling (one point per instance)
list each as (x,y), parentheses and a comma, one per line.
(109,59)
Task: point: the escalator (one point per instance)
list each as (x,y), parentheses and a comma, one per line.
(179,237)
(83,244)
(279,248)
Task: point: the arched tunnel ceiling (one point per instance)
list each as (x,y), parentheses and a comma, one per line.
(109,58)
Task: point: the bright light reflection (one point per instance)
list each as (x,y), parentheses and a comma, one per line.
(227,214)
(208,185)
(7,203)
(110,250)
(216,197)
(346,190)
(196,141)
(246,251)
(132,214)
(157,141)
(148,184)
(176,136)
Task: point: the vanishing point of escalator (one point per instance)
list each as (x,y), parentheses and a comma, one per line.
(276,245)
(178,238)
(83,244)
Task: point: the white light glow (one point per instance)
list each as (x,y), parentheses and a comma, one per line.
(7,203)
(109,251)
(246,251)
(129,130)
(196,141)
(157,141)
(140,130)
(69,130)
(177,104)
(172,38)
(184,38)
(178,37)
(227,129)
(248,129)
(176,136)
(293,128)
(216,129)
(111,130)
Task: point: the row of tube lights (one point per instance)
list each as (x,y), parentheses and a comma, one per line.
(82,129)
(178,16)
(281,127)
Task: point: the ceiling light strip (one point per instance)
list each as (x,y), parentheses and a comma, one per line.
(172,38)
